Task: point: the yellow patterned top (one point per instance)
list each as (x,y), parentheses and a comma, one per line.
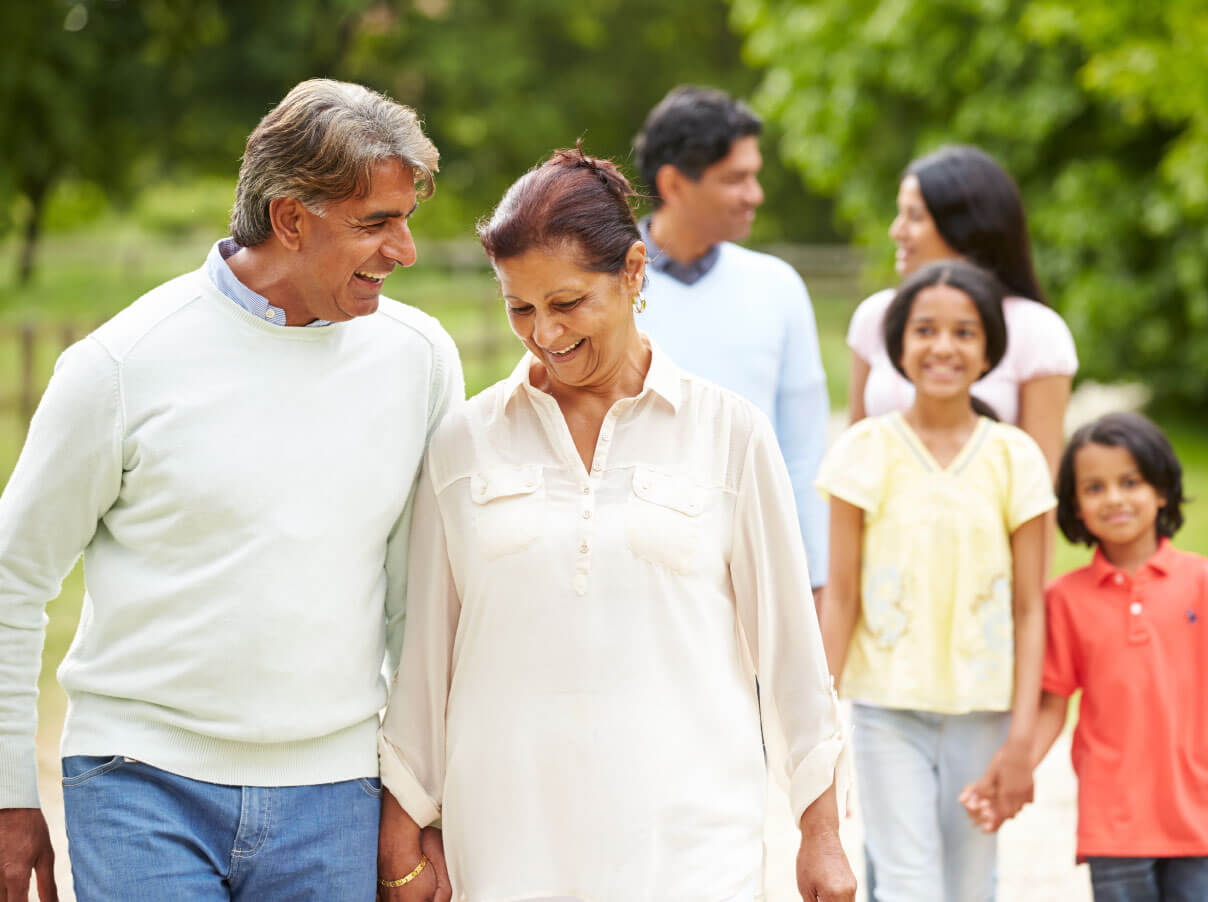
(935,630)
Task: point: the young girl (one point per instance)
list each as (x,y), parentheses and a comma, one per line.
(933,615)
(1130,630)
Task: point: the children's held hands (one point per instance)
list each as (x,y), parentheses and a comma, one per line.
(980,809)
(1006,785)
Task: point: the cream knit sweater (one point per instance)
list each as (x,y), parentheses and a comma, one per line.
(241,493)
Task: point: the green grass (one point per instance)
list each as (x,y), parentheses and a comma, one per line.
(86,276)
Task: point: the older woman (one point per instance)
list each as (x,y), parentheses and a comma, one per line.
(605,554)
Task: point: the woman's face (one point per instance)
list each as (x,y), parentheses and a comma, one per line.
(913,231)
(576,322)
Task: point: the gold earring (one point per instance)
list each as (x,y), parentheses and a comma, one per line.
(639,302)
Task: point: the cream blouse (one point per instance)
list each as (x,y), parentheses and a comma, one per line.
(575,697)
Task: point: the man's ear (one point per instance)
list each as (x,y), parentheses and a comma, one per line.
(668,181)
(288,217)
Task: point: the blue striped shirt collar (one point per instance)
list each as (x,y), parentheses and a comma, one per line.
(225,281)
(687,273)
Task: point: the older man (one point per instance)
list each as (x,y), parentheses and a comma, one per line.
(235,455)
(737,317)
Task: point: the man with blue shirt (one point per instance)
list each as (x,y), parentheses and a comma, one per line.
(235,455)
(738,318)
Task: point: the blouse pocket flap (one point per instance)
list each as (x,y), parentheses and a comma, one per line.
(505,482)
(672,492)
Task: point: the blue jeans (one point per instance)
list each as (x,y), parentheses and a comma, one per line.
(139,834)
(1149,879)
(911,766)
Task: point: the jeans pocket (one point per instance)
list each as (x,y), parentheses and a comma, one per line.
(372,786)
(89,767)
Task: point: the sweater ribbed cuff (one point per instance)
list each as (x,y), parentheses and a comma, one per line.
(19,776)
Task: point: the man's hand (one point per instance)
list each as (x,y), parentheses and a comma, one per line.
(401,846)
(25,848)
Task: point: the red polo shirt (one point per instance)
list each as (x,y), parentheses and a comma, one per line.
(1137,647)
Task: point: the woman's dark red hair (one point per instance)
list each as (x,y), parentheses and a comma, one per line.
(570,201)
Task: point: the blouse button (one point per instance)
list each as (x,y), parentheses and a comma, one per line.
(586,490)
(1135,607)
(583,548)
(1118,578)
(586,515)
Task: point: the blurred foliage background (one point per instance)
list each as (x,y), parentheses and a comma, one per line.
(1099,110)
(120,111)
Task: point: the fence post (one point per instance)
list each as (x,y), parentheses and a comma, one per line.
(28,336)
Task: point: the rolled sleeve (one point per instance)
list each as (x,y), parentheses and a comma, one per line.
(780,626)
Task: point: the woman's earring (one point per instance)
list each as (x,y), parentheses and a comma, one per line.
(639,302)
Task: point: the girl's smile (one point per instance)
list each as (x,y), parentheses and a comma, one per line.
(944,345)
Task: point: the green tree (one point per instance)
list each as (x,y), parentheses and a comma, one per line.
(1100,111)
(503,82)
(111,92)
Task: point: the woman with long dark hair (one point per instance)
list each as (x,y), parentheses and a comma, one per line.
(958,202)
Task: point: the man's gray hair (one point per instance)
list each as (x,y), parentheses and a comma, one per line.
(320,145)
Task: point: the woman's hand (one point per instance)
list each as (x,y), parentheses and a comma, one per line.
(823,872)
(401,847)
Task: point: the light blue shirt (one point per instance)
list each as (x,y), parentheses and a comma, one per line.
(225,280)
(747,324)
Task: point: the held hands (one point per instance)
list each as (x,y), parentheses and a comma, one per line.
(401,847)
(1002,790)
(25,848)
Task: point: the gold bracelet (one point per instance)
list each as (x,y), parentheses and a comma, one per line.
(403,881)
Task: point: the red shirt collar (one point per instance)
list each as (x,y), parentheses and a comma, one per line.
(1161,561)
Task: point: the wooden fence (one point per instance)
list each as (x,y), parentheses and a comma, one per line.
(485,343)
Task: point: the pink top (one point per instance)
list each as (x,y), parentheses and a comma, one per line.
(1039,343)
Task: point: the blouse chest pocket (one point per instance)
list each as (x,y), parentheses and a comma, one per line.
(663,522)
(509,508)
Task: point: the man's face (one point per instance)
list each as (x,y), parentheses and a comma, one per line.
(348,250)
(723,201)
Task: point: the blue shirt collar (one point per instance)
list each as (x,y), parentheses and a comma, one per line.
(687,273)
(225,281)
